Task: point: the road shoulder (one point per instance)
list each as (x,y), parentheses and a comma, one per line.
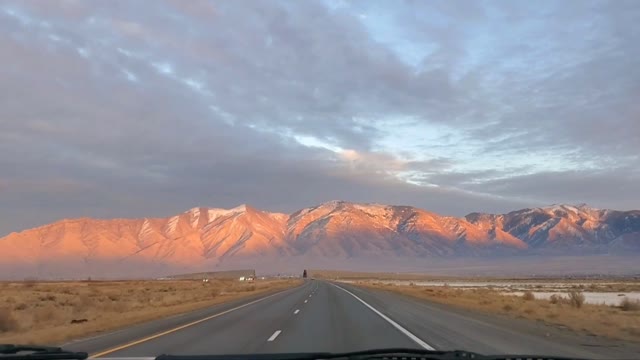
(451,327)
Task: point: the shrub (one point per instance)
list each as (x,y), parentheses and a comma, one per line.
(507,307)
(528,296)
(67,291)
(48,297)
(7,321)
(21,306)
(65,302)
(117,306)
(84,303)
(44,315)
(627,304)
(632,331)
(530,311)
(576,299)
(94,291)
(29,282)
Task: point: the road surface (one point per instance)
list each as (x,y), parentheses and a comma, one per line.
(319,316)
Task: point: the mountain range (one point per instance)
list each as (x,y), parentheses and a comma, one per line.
(207,238)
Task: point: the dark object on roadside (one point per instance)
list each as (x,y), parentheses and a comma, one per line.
(304,273)
(79,321)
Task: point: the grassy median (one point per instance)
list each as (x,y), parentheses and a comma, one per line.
(617,322)
(54,312)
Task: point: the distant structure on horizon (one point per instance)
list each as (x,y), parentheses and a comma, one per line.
(228,274)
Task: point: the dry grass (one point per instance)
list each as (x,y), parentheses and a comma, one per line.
(528,295)
(622,322)
(7,321)
(627,304)
(56,312)
(576,299)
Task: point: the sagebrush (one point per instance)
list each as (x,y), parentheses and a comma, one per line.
(7,321)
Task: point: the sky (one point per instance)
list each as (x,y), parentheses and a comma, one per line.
(134,108)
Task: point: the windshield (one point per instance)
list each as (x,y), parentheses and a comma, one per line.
(283,177)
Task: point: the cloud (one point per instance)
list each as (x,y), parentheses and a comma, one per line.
(601,188)
(128,109)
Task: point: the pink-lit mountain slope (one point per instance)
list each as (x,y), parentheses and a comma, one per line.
(206,237)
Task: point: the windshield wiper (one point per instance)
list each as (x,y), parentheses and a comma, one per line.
(421,354)
(33,352)
(386,354)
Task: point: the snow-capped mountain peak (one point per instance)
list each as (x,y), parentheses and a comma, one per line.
(335,229)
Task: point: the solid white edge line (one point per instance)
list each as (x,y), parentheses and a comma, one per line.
(296,312)
(275,335)
(410,335)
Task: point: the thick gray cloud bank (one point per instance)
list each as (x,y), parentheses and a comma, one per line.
(131,108)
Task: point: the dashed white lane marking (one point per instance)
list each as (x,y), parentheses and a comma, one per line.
(309,295)
(296,312)
(411,336)
(275,335)
(155,336)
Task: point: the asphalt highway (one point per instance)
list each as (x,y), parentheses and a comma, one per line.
(320,316)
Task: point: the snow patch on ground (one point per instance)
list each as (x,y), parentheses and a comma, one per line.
(194,216)
(549,289)
(517,288)
(172,224)
(240,208)
(145,229)
(597,298)
(372,208)
(507,285)
(216,213)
